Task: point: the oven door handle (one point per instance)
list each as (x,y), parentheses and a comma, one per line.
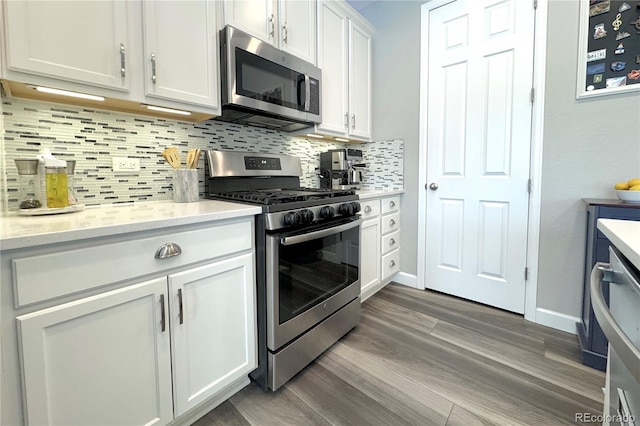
(624,347)
(297,239)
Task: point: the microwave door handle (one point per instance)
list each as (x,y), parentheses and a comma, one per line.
(307,92)
(302,86)
(297,239)
(624,347)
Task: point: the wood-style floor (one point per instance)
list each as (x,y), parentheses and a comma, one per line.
(423,358)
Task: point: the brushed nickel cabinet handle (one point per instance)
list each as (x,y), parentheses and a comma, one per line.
(346,119)
(163,324)
(367,209)
(353,121)
(392,242)
(153,68)
(286,33)
(180,312)
(122,61)
(273,28)
(168,250)
(392,263)
(392,222)
(392,203)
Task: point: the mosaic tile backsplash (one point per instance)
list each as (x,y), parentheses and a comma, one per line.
(94,137)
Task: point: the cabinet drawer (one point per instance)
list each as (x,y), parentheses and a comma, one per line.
(390,223)
(390,242)
(369,208)
(51,275)
(390,264)
(390,204)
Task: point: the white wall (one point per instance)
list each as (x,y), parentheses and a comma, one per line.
(588,144)
(396,102)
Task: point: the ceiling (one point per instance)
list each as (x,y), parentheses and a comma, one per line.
(361,4)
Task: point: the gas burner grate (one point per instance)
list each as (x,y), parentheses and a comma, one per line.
(283,196)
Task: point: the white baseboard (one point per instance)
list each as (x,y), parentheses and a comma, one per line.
(556,320)
(552,319)
(406,279)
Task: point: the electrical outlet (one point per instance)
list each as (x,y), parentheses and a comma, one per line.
(123,164)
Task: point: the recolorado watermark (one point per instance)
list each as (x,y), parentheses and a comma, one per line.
(601,418)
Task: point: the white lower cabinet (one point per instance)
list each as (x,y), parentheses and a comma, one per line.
(370,255)
(149,351)
(213,329)
(380,243)
(390,226)
(99,360)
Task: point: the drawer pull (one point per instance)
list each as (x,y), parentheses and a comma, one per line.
(392,242)
(392,263)
(392,222)
(392,203)
(153,68)
(168,250)
(180,313)
(367,209)
(122,61)
(163,324)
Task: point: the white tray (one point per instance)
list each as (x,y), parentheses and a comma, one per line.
(54,210)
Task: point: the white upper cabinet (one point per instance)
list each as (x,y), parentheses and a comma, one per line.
(359,81)
(297,28)
(344,54)
(157,52)
(255,17)
(179,64)
(289,25)
(333,59)
(84,42)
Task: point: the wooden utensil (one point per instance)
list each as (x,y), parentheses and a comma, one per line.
(193,157)
(173,157)
(196,158)
(190,155)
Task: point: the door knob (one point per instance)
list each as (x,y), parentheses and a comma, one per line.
(433,186)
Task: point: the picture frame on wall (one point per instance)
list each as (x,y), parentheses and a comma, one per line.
(608,48)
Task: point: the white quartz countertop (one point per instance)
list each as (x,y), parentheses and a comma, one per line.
(625,235)
(365,194)
(29,231)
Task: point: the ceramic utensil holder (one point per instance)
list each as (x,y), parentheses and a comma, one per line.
(185,185)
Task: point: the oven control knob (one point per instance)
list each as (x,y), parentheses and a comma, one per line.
(327,212)
(356,207)
(292,219)
(346,209)
(306,215)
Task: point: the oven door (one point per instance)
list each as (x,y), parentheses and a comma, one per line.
(311,274)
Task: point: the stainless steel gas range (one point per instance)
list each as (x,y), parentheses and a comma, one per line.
(307,258)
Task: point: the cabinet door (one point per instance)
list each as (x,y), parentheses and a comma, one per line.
(213,324)
(359,82)
(181,65)
(332,59)
(81,41)
(297,28)
(102,360)
(255,17)
(370,254)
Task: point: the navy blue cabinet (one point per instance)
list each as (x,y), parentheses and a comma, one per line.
(593,343)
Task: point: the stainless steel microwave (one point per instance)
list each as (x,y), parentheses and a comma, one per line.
(266,87)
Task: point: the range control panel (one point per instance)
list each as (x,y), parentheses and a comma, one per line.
(262,163)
